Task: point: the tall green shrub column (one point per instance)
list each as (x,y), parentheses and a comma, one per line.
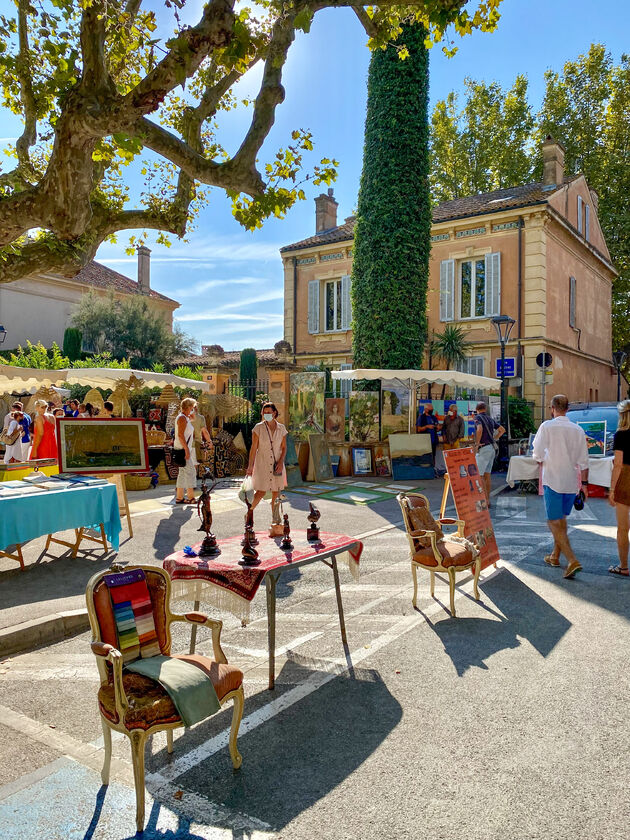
(393,230)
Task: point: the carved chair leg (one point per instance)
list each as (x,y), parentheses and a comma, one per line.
(169,741)
(414,575)
(451,586)
(432,583)
(476,578)
(237,714)
(107,745)
(138,738)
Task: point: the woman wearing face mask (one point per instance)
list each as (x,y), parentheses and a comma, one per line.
(266,457)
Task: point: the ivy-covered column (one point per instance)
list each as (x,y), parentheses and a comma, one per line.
(393,230)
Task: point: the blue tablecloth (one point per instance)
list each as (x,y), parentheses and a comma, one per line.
(27,517)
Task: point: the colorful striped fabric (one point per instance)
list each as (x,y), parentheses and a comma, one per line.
(133,613)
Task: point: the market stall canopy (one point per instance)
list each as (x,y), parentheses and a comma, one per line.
(16,380)
(454,378)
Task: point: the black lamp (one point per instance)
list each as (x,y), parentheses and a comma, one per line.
(503,324)
(3,333)
(619,359)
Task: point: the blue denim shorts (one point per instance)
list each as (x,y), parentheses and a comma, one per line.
(558,505)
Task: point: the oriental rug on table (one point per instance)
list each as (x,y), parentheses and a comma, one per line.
(225,584)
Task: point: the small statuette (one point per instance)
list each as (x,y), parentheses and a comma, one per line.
(312,533)
(249,537)
(209,545)
(249,555)
(275,529)
(286,544)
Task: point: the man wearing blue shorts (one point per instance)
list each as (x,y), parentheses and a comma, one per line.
(560,446)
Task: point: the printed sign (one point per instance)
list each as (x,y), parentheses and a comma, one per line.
(509,367)
(470,502)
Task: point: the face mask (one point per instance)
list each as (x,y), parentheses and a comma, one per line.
(268,417)
(429,411)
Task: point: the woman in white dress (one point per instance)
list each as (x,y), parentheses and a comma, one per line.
(13,451)
(185,439)
(266,457)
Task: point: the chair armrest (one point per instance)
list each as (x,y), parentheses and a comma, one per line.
(114,657)
(101,648)
(433,540)
(203,621)
(459,522)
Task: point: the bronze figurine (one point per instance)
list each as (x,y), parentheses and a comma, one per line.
(312,533)
(286,544)
(249,555)
(209,545)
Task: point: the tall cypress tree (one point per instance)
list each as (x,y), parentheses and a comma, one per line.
(392,237)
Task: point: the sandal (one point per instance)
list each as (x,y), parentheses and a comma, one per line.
(550,560)
(617,570)
(180,501)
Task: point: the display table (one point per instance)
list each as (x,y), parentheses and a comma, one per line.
(223,583)
(30,516)
(524,468)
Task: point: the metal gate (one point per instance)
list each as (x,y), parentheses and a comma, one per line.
(255,391)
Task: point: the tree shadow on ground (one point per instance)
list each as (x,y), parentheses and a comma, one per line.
(520,613)
(299,755)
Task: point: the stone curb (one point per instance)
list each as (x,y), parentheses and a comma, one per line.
(54,627)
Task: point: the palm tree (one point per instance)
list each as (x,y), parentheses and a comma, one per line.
(450,346)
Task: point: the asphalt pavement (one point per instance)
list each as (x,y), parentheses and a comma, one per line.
(507,722)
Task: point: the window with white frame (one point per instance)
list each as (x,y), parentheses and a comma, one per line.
(329,305)
(478,288)
(344,386)
(473,364)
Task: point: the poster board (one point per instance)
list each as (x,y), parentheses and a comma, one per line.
(94,445)
(470,502)
(411,457)
(595,431)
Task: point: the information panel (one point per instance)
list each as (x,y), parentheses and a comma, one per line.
(470,502)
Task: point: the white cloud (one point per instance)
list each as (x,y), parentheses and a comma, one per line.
(235,317)
(225,249)
(207,285)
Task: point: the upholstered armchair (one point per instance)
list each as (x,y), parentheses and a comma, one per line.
(431,549)
(137,705)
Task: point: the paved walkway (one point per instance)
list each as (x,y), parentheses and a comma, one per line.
(503,723)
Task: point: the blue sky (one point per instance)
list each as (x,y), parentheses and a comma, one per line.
(229,281)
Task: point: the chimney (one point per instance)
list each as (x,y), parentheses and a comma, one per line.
(325,211)
(553,161)
(144,269)
(594,198)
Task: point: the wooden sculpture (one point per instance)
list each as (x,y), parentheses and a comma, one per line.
(286,544)
(312,533)
(209,545)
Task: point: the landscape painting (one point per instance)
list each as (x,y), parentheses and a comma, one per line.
(87,445)
(306,404)
(595,431)
(411,457)
(364,416)
(394,408)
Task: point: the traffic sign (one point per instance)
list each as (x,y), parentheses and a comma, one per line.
(510,367)
(544,360)
(544,377)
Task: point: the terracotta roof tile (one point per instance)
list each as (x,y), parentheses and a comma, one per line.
(459,208)
(100,277)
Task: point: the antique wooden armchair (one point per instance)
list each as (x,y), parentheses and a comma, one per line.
(137,705)
(430,548)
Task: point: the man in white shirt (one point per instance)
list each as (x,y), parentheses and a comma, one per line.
(560,446)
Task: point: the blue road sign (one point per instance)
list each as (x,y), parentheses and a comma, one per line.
(510,367)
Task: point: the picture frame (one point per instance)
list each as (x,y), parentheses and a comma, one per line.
(93,445)
(382,460)
(321,458)
(362,460)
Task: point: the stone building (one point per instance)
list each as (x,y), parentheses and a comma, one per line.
(535,252)
(40,307)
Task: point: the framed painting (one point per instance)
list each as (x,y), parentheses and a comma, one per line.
(382,460)
(336,419)
(306,404)
(394,408)
(96,445)
(321,458)
(364,412)
(362,462)
(411,457)
(595,431)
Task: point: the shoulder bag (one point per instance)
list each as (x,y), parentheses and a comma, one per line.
(10,438)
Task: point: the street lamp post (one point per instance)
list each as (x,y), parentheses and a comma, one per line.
(619,358)
(503,324)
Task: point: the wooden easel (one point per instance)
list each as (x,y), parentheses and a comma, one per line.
(17,557)
(118,480)
(447,487)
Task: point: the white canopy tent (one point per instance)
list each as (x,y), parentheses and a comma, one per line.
(17,380)
(411,378)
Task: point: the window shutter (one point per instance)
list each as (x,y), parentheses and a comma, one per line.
(572,302)
(579,213)
(346,302)
(587,222)
(447,289)
(313,306)
(493,283)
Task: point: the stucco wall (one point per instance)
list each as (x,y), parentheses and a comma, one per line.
(564,201)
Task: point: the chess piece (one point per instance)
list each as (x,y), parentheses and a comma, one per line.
(275,529)
(286,544)
(209,545)
(312,533)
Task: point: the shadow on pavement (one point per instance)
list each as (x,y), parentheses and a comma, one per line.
(167,534)
(294,759)
(520,613)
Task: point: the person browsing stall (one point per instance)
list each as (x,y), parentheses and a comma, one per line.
(427,424)
(453,429)
(619,496)
(487,431)
(266,456)
(184,439)
(44,439)
(560,446)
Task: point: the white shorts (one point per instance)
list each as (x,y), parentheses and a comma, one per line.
(485,459)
